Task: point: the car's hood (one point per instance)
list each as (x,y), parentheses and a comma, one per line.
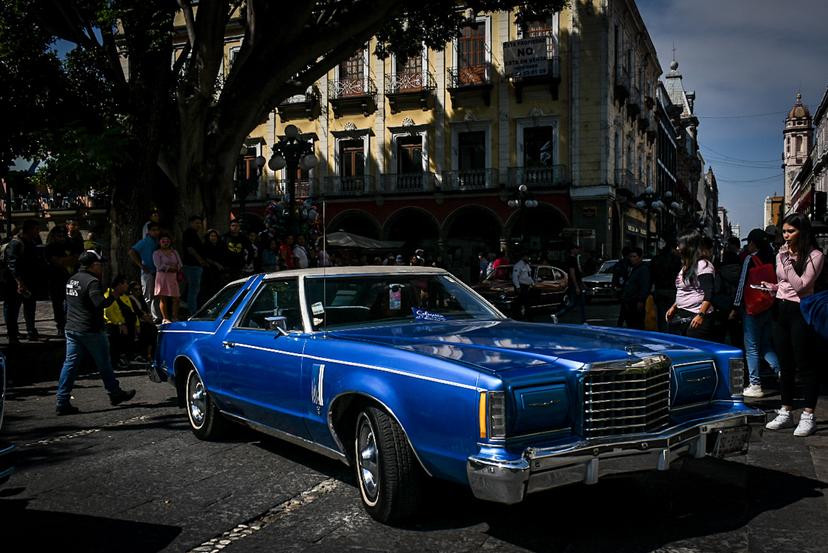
(504,345)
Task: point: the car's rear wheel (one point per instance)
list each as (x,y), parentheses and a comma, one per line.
(205,420)
(389,476)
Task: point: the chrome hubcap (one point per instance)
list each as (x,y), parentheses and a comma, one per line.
(368,458)
(197,399)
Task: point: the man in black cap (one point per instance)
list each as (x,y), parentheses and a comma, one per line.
(85,331)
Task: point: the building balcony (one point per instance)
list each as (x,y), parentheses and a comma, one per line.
(625,181)
(406,183)
(337,185)
(470,81)
(304,188)
(634,103)
(352,96)
(552,79)
(539,178)
(621,86)
(301,105)
(469,179)
(407,90)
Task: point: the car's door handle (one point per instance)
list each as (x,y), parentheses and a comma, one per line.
(228,345)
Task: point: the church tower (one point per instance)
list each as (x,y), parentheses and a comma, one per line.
(799,136)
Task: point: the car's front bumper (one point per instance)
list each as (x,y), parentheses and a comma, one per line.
(7,454)
(509,480)
(598,291)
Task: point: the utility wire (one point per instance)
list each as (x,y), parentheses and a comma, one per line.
(743,116)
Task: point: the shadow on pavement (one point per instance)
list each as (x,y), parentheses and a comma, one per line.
(636,513)
(35,530)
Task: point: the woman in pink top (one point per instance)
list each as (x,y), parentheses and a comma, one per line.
(167,264)
(691,314)
(798,266)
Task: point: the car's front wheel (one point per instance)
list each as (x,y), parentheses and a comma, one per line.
(205,420)
(389,476)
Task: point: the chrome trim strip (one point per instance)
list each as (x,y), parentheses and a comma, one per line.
(390,412)
(291,438)
(186,332)
(363,366)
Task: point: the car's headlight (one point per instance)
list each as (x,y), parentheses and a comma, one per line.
(492,415)
(736,365)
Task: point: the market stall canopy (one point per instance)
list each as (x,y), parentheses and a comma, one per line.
(349,240)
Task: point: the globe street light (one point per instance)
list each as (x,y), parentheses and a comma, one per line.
(521,200)
(648,202)
(292,152)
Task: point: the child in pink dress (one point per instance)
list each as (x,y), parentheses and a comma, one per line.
(167,264)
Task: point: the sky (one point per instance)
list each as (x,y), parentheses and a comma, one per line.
(746,60)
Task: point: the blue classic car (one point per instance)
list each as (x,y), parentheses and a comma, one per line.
(406,373)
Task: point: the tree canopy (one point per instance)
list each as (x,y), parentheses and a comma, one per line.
(118,111)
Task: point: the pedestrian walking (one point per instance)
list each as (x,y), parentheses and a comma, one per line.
(141,255)
(192,253)
(636,289)
(300,253)
(575,287)
(167,267)
(20,278)
(664,267)
(754,308)
(61,263)
(523,283)
(85,333)
(799,265)
(691,314)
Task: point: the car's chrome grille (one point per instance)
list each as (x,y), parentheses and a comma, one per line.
(626,401)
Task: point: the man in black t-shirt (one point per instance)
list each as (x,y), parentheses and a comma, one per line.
(235,245)
(193,261)
(85,332)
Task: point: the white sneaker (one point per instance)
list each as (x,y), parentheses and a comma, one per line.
(754,390)
(783,420)
(806,426)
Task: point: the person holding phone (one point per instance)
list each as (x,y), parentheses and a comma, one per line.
(798,266)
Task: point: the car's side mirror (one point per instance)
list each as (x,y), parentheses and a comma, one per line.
(279,324)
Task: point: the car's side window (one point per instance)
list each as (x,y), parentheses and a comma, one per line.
(274,298)
(215,305)
(545,273)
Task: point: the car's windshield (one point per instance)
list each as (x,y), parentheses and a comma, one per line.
(337,302)
(607,266)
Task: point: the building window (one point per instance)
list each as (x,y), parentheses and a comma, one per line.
(409,155)
(351,158)
(352,74)
(410,73)
(471,55)
(544,28)
(538,146)
(471,149)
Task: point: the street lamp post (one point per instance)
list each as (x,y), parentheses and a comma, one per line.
(649,201)
(292,152)
(520,201)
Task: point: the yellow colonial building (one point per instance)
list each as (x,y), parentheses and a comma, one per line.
(540,135)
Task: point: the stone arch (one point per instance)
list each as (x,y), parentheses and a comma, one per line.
(469,231)
(414,226)
(356,221)
(538,227)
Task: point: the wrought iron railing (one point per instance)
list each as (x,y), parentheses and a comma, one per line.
(470,75)
(554,176)
(351,88)
(337,185)
(391,183)
(470,179)
(403,83)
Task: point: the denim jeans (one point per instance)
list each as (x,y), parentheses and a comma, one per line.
(758,344)
(193,274)
(96,344)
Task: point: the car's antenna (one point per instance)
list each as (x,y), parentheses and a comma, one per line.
(325,260)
